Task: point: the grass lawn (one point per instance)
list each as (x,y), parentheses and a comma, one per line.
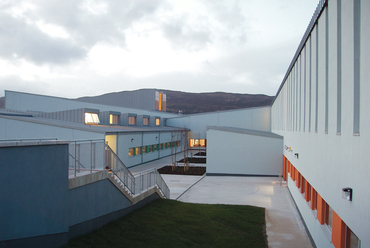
(169,223)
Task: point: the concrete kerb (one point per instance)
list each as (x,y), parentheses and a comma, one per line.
(190,187)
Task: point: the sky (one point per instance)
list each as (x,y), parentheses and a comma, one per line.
(70,48)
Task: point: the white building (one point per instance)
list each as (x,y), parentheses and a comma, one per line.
(321,110)
(316,133)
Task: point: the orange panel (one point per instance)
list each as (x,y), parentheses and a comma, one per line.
(302,181)
(307,188)
(298,176)
(338,236)
(320,209)
(284,168)
(313,191)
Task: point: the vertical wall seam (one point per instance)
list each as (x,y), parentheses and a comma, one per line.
(357,56)
(327,70)
(339,66)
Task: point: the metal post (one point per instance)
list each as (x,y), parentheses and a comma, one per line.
(75,160)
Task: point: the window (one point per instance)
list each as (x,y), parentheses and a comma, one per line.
(328,216)
(157,121)
(132,120)
(351,239)
(145,121)
(197,143)
(138,150)
(91,118)
(131,152)
(113,119)
(149,149)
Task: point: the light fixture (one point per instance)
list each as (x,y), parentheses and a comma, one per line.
(347,193)
(132,140)
(296,155)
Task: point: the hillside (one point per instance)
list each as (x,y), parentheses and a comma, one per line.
(191,103)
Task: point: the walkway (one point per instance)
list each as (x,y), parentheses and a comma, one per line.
(283,223)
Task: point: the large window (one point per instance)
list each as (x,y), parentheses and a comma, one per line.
(91,118)
(132,120)
(197,143)
(113,119)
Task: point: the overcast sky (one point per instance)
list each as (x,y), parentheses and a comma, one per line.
(71,48)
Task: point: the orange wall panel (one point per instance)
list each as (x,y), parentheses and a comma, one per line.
(320,209)
(312,198)
(338,231)
(284,168)
(307,194)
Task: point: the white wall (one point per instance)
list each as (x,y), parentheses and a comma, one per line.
(329,160)
(251,118)
(234,152)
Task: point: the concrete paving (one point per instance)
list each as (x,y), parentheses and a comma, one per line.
(283,223)
(179,184)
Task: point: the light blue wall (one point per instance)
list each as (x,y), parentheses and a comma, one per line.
(250,118)
(95,200)
(34,191)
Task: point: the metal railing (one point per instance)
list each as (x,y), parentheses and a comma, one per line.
(113,163)
(150,178)
(86,155)
(89,155)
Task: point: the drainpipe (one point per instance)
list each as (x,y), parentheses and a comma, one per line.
(159,144)
(142,147)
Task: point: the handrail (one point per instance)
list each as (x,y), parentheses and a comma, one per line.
(89,153)
(150,178)
(28,140)
(118,168)
(138,182)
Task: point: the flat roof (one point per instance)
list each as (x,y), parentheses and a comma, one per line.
(89,128)
(245,131)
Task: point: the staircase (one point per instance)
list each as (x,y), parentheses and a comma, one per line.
(86,154)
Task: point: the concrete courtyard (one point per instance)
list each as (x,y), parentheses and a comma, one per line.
(283,223)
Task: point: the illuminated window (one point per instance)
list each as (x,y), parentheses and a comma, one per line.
(157,121)
(145,121)
(197,143)
(91,118)
(149,149)
(113,119)
(138,150)
(131,152)
(132,120)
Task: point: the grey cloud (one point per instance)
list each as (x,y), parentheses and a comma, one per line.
(14,82)
(181,35)
(22,37)
(19,39)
